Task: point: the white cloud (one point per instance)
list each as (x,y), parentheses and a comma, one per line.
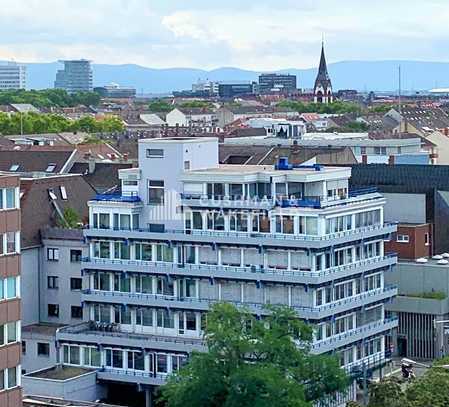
(264,34)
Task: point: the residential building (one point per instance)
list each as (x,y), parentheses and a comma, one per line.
(277,83)
(322,89)
(12,76)
(76,76)
(10,293)
(198,117)
(170,246)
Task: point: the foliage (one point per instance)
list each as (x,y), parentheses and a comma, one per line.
(47,98)
(432,389)
(330,108)
(192,104)
(71,219)
(254,363)
(384,108)
(433,295)
(352,127)
(159,105)
(35,123)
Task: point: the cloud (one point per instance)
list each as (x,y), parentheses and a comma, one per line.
(262,35)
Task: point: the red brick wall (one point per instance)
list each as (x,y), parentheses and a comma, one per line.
(416,246)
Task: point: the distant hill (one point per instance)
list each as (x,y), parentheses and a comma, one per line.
(360,75)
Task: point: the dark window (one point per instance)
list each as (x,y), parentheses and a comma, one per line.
(75,256)
(43,349)
(52,254)
(76,283)
(77,312)
(155,192)
(53,310)
(24,347)
(156,227)
(155,153)
(52,282)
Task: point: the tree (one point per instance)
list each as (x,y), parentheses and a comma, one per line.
(71,219)
(160,105)
(253,362)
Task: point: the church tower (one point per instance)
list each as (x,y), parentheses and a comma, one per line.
(323,87)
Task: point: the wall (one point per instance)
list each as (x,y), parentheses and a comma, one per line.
(29,285)
(398,208)
(30,360)
(64,269)
(416,246)
(176,117)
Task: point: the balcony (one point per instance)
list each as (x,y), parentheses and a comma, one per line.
(92,333)
(250,238)
(218,201)
(116,198)
(200,304)
(241,273)
(354,335)
(131,376)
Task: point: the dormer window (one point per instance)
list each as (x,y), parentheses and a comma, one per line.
(14,167)
(51,167)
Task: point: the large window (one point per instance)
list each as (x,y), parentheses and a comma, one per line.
(144,317)
(114,358)
(238,222)
(164,253)
(155,192)
(10,242)
(136,360)
(72,354)
(53,310)
(91,356)
(52,282)
(76,283)
(144,251)
(165,318)
(367,218)
(284,224)
(155,153)
(215,191)
(122,250)
(43,349)
(215,220)
(144,284)
(52,254)
(164,286)
(102,250)
(75,256)
(10,198)
(102,282)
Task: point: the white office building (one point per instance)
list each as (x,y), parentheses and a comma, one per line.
(12,76)
(187,232)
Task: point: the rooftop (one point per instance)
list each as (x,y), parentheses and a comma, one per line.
(46,329)
(60,372)
(41,401)
(178,140)
(61,233)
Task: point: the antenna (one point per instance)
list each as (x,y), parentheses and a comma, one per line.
(399,99)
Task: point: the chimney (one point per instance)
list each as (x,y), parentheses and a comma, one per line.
(391,160)
(446,131)
(364,159)
(91,165)
(125,156)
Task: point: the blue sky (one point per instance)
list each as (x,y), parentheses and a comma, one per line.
(262,35)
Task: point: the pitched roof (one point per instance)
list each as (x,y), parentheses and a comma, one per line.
(35,158)
(40,210)
(104,176)
(323,75)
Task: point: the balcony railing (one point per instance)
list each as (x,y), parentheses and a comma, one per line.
(364,329)
(204,304)
(117,198)
(210,268)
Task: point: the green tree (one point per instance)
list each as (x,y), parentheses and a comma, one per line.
(329,108)
(71,219)
(160,105)
(254,363)
(192,104)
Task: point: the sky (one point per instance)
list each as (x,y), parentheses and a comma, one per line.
(251,34)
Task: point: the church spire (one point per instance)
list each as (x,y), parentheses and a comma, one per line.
(323,85)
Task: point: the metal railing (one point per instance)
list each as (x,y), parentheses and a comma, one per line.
(117,198)
(209,268)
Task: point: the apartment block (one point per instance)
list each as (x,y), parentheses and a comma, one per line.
(12,76)
(10,307)
(186,232)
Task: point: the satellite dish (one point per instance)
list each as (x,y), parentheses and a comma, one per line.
(421,260)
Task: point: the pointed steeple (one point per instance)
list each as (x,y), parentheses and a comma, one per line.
(323,85)
(322,70)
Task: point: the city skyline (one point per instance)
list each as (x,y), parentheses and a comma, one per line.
(265,35)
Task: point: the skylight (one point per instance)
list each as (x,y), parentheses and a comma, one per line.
(63,192)
(51,167)
(14,167)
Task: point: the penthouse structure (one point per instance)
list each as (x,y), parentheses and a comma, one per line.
(187,232)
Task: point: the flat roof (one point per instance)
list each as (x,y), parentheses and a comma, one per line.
(178,140)
(60,372)
(42,328)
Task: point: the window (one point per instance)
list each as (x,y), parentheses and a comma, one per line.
(52,282)
(50,168)
(144,317)
(186,165)
(427,239)
(63,192)
(10,242)
(14,167)
(11,331)
(91,356)
(43,349)
(104,221)
(11,287)
(24,347)
(155,153)
(402,239)
(52,254)
(72,354)
(75,256)
(76,283)
(10,198)
(76,312)
(136,360)
(12,377)
(53,310)
(155,192)
(114,358)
